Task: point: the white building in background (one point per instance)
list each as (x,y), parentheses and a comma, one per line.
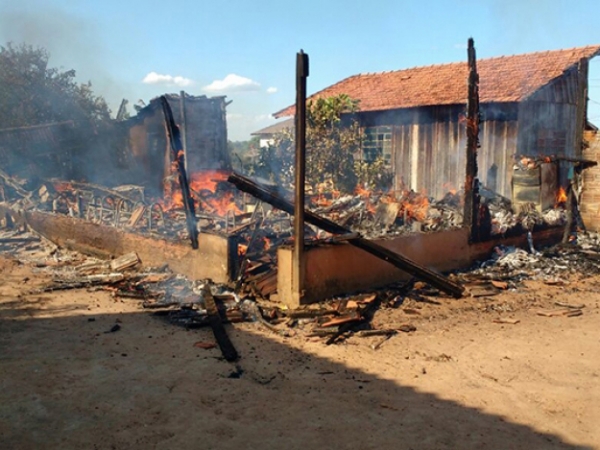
(266,134)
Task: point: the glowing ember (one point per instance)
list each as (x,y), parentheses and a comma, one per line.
(561,196)
(267,243)
(63,186)
(362,191)
(449,187)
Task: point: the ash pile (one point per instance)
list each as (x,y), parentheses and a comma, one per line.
(579,257)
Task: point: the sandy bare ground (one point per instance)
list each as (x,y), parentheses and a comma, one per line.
(460,381)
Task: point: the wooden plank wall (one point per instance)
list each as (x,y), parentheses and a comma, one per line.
(548,119)
(206,137)
(428,144)
(440,160)
(551,121)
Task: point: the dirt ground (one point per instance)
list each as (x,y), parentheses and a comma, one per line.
(460,381)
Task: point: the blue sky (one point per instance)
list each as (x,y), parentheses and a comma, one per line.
(246,50)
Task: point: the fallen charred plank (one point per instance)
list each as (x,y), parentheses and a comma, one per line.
(19,240)
(246,185)
(90,280)
(309,313)
(214,319)
(125,262)
(370,333)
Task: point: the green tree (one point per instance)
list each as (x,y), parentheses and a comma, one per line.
(333,137)
(32,93)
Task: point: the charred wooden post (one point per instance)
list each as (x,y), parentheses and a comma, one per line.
(300,174)
(439,281)
(184,129)
(574,220)
(178,158)
(472,199)
(582,99)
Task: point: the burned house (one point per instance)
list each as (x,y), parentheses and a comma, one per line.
(203,127)
(238,239)
(531,104)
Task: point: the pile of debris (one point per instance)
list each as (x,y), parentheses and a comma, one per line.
(581,257)
(202,303)
(222,210)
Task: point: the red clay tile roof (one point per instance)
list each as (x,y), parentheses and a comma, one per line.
(502,79)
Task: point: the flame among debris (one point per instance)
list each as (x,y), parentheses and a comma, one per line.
(561,196)
(412,205)
(204,189)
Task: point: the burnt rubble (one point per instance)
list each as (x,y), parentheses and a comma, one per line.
(187,303)
(260,229)
(579,257)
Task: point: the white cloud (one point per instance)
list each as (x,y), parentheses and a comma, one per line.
(271,90)
(233,83)
(263,117)
(166,80)
(249,118)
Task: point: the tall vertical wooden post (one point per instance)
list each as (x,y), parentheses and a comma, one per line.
(582,94)
(177,155)
(472,199)
(300,125)
(183,125)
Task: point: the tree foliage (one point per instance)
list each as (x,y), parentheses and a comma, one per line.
(333,138)
(32,93)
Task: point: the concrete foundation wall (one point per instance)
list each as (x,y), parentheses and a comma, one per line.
(210,260)
(342,269)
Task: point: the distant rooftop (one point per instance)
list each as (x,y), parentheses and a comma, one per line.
(287,124)
(502,79)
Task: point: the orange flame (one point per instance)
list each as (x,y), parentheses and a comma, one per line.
(63,186)
(449,187)
(561,196)
(267,243)
(362,191)
(203,189)
(416,208)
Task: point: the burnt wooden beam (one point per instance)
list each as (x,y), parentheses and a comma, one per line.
(300,171)
(582,98)
(179,159)
(435,279)
(183,115)
(472,199)
(216,324)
